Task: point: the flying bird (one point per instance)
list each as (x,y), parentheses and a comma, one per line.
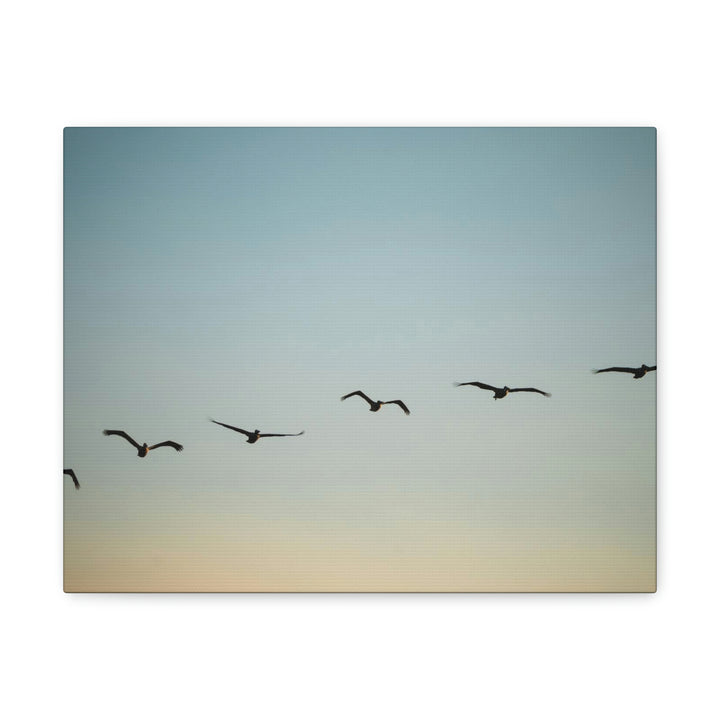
(253,437)
(144,449)
(503,391)
(637,373)
(72,474)
(375,405)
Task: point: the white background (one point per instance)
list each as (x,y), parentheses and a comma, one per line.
(401,63)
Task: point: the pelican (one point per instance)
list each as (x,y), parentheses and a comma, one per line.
(503,391)
(143,449)
(72,474)
(637,373)
(253,437)
(375,405)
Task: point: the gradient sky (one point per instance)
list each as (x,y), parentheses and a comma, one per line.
(256,275)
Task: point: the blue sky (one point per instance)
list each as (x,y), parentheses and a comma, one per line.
(256,275)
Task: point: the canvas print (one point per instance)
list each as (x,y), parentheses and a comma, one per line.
(359,359)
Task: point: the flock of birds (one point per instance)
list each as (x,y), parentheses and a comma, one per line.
(375,405)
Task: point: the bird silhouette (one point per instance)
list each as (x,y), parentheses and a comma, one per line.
(503,391)
(253,437)
(143,449)
(375,405)
(637,373)
(72,474)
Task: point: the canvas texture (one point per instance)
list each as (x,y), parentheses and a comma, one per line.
(360,359)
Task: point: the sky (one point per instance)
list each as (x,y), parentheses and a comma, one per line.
(256,275)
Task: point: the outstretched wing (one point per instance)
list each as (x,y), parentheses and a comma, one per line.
(546,394)
(400,403)
(479,385)
(231,427)
(123,434)
(361,394)
(617,369)
(168,443)
(71,473)
(281,434)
